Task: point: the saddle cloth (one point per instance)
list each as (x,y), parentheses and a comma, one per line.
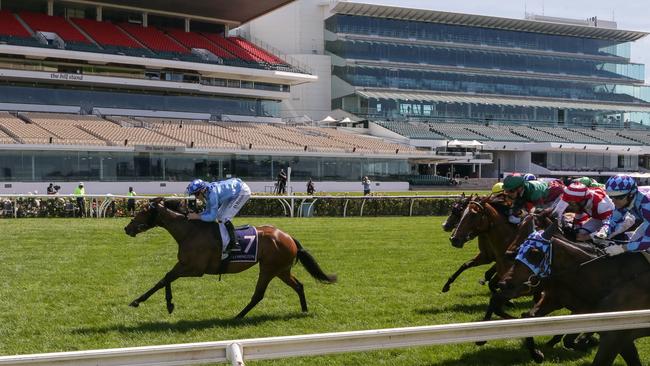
(247,240)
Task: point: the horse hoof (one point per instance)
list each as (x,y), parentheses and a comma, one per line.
(445,288)
(170,308)
(481,343)
(134,304)
(538,356)
(481,282)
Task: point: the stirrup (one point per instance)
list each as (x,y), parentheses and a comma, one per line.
(225,255)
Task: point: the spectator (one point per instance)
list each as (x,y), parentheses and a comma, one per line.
(310,187)
(222,201)
(282,182)
(130,204)
(80,192)
(52,189)
(366,186)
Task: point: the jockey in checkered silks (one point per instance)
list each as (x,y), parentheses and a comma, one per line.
(629,200)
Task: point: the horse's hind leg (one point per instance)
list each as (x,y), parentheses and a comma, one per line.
(608,350)
(262,283)
(630,354)
(292,282)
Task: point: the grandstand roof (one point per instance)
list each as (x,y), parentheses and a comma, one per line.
(503,100)
(523,25)
(235,12)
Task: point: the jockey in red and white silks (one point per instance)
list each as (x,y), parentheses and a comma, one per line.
(592,208)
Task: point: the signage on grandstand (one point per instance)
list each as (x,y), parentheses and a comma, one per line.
(64,76)
(149,148)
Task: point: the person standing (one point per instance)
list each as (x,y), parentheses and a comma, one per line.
(366,186)
(52,189)
(80,192)
(282,182)
(130,204)
(310,187)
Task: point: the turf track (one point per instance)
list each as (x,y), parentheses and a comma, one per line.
(66,284)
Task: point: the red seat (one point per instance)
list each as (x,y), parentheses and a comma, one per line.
(195,40)
(45,23)
(105,33)
(10,26)
(258,52)
(153,38)
(231,47)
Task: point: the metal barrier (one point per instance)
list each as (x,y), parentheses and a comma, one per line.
(235,351)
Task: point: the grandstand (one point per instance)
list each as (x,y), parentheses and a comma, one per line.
(104,92)
(518,87)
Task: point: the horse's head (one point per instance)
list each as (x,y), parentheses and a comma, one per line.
(457,209)
(146,218)
(524,274)
(473,221)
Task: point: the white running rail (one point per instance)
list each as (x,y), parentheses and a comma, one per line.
(235,351)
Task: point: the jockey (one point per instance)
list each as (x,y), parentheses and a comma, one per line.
(497,188)
(628,198)
(223,200)
(590,183)
(528,194)
(529,176)
(591,206)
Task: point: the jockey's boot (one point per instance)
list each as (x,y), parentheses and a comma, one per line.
(232,244)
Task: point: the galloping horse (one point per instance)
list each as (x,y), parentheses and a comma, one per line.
(484,255)
(199,253)
(582,280)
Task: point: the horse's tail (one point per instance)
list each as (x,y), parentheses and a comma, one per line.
(310,264)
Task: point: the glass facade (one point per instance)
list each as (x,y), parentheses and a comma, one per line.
(582,161)
(41,166)
(89,98)
(411,56)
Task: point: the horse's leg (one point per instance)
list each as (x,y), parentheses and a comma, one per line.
(478,260)
(608,349)
(630,354)
(262,283)
(292,282)
(172,275)
(488,275)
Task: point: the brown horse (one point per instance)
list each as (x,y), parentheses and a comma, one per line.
(584,281)
(199,253)
(484,255)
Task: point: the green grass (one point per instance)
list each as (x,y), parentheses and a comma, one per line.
(67,283)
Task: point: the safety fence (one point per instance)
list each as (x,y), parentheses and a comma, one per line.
(100,206)
(237,351)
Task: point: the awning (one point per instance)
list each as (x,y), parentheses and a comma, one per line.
(496,100)
(459,143)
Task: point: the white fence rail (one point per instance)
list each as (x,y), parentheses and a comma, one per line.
(235,351)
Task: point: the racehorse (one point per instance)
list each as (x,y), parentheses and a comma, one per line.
(199,253)
(484,255)
(582,280)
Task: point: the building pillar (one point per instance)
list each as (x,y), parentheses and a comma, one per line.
(187,24)
(435,169)
(50,7)
(145,19)
(99,13)
(479,170)
(226,30)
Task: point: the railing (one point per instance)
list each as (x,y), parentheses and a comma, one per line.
(235,351)
(289,203)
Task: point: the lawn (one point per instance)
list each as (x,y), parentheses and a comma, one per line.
(67,284)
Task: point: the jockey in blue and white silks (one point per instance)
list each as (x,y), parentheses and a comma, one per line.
(628,199)
(223,200)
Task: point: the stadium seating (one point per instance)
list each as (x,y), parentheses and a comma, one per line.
(231,47)
(414,130)
(195,40)
(105,33)
(571,136)
(10,26)
(256,51)
(535,134)
(456,131)
(129,136)
(606,136)
(26,133)
(153,38)
(66,127)
(58,25)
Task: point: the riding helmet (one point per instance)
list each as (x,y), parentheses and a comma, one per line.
(575,192)
(195,186)
(529,176)
(619,185)
(511,182)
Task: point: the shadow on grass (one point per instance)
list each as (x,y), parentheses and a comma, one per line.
(183,326)
(499,356)
(477,308)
